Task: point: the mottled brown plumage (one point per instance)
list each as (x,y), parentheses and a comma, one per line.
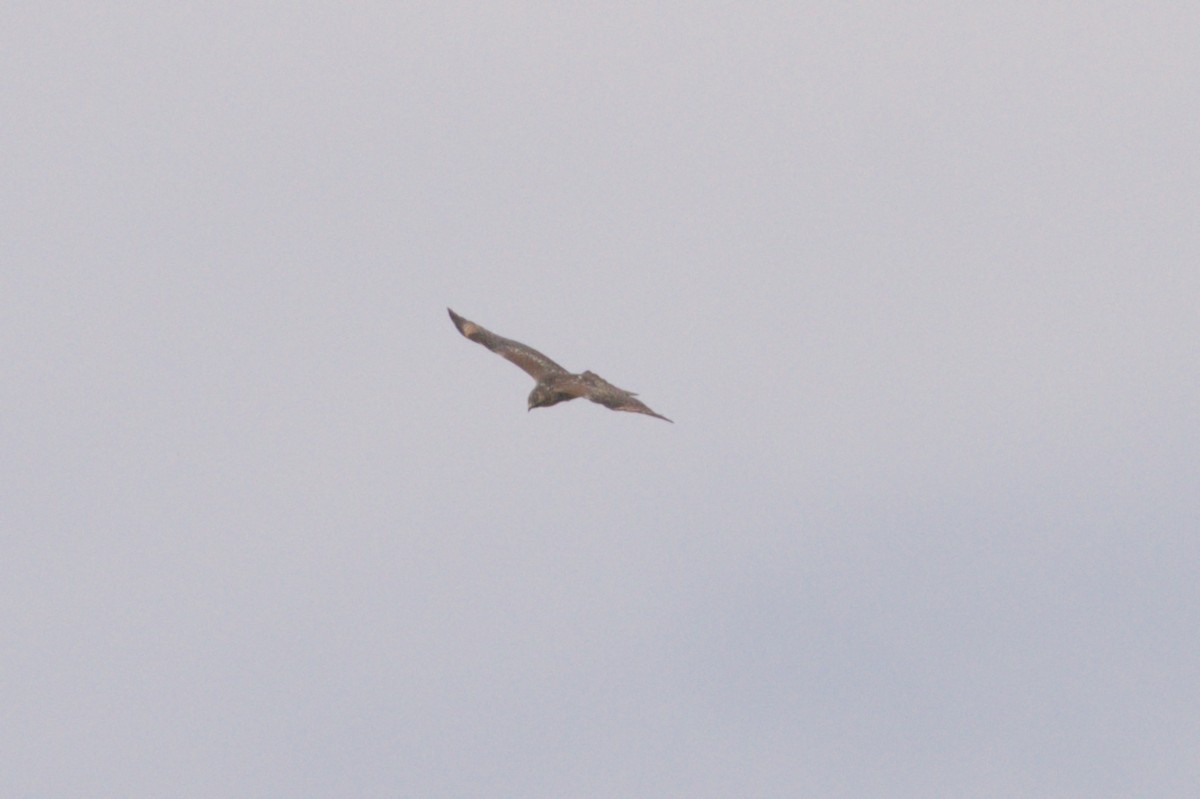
(554,383)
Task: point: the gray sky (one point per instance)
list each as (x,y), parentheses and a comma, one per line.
(918,284)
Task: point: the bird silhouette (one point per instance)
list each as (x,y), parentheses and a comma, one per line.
(554,384)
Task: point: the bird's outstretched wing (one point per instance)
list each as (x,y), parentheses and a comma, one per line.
(535,364)
(599,390)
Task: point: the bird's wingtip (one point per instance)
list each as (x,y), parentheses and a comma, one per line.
(459,322)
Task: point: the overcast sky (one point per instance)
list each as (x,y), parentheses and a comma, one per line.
(918,283)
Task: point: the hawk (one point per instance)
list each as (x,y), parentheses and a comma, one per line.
(554,383)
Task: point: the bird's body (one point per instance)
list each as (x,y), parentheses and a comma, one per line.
(554,383)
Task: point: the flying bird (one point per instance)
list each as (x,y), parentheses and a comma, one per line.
(554,383)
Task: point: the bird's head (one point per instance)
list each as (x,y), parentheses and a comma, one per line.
(541,397)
